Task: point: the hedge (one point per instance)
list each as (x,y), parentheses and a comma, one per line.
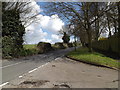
(109,45)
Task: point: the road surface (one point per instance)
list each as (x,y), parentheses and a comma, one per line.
(66,73)
(16,67)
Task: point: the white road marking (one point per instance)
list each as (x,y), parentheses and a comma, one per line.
(37,68)
(32,70)
(57,58)
(11,65)
(3,84)
(44,65)
(20,76)
(28,72)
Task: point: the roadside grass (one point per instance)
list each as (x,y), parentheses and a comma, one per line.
(31,49)
(30,46)
(82,54)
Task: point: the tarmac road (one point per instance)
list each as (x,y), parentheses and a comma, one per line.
(67,73)
(16,67)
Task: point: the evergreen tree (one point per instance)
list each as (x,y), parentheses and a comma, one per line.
(66,38)
(12,33)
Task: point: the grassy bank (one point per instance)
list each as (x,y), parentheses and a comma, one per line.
(82,54)
(30,49)
(30,46)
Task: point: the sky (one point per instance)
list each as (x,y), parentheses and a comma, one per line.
(46,29)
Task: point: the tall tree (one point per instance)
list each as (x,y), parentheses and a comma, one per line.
(15,16)
(66,38)
(85,13)
(12,33)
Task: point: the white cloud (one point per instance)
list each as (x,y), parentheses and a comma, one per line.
(35,7)
(56,38)
(46,40)
(51,24)
(34,34)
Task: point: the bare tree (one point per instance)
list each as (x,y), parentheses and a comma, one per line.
(86,14)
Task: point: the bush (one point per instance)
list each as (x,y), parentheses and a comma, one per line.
(70,44)
(27,52)
(12,33)
(65,45)
(44,47)
(59,45)
(9,49)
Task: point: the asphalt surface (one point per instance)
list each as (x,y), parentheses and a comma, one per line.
(67,73)
(16,67)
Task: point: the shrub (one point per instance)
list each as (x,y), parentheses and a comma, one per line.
(59,45)
(44,47)
(66,38)
(65,45)
(9,49)
(70,44)
(12,33)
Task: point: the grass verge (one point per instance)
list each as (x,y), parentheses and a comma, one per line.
(30,46)
(82,54)
(30,49)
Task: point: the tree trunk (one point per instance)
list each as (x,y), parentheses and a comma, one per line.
(89,38)
(115,26)
(89,42)
(108,21)
(96,30)
(96,23)
(88,26)
(75,43)
(82,42)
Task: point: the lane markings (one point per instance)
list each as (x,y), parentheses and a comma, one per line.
(3,84)
(41,66)
(12,64)
(32,70)
(28,72)
(57,58)
(20,76)
(37,68)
